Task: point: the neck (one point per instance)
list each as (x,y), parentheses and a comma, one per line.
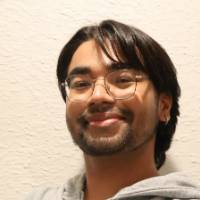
(106,175)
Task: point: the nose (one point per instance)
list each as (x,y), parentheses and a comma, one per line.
(100,94)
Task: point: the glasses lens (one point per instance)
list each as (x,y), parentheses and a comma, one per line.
(121,84)
(79,87)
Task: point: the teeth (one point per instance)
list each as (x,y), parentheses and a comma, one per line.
(105,122)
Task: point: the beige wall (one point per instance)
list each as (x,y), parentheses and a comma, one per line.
(35,146)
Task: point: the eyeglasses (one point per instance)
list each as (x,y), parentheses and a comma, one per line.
(120,84)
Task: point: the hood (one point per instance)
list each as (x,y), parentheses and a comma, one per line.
(173,186)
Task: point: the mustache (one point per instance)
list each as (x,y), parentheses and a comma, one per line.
(126,114)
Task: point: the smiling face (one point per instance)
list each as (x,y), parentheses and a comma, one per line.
(102,125)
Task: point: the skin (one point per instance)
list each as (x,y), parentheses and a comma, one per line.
(114,165)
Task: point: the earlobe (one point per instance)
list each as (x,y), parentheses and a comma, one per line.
(164,108)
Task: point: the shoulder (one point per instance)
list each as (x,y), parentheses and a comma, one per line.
(46,192)
(172,186)
(71,189)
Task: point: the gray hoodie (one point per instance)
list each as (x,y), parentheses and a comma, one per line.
(171,186)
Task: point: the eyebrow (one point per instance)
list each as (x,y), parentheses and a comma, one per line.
(118,66)
(83,70)
(80,70)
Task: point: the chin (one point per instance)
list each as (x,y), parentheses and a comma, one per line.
(106,144)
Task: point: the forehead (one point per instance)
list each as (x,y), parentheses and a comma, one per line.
(89,54)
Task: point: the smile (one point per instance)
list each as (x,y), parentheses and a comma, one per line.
(103,119)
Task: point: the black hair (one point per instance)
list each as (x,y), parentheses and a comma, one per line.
(132,46)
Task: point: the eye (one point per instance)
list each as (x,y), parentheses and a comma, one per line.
(124,79)
(121,79)
(80,84)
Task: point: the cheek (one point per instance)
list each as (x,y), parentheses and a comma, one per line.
(148,115)
(73,110)
(144,109)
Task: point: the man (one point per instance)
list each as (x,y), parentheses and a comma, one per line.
(121,95)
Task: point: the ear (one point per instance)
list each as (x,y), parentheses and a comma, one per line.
(164,107)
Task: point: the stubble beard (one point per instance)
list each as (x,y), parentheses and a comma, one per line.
(106,145)
(124,140)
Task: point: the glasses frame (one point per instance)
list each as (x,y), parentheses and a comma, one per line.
(138,78)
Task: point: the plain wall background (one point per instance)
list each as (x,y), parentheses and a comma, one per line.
(35,146)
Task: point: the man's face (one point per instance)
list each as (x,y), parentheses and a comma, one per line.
(101,125)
